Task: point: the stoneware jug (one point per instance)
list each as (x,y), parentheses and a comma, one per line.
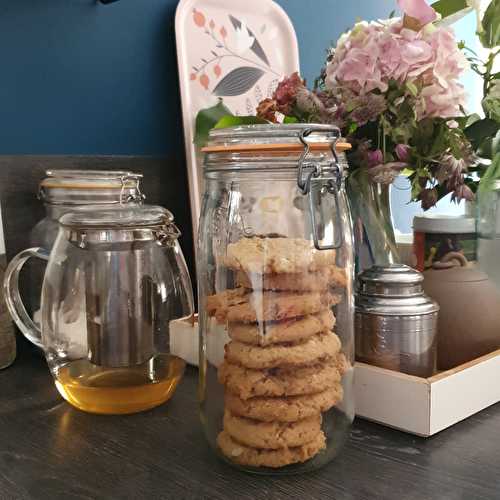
(469,320)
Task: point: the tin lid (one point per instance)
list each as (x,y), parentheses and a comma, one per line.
(89,187)
(394,290)
(447,224)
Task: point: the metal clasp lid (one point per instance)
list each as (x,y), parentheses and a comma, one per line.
(169,233)
(137,196)
(311,183)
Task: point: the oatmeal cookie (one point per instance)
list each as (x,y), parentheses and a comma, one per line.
(291,330)
(329,277)
(276,255)
(285,409)
(255,457)
(318,348)
(272,435)
(289,381)
(276,306)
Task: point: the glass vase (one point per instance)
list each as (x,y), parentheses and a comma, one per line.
(372,221)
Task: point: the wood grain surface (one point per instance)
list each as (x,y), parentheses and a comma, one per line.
(48,450)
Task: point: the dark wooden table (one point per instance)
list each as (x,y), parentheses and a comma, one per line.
(48,450)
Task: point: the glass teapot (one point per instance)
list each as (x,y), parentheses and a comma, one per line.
(115,279)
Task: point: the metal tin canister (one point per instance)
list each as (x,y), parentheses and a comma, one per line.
(395,322)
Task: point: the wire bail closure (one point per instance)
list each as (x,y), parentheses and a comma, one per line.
(138,196)
(310,174)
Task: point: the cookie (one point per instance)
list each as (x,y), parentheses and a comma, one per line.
(343,363)
(246,383)
(320,347)
(275,306)
(218,304)
(272,435)
(291,330)
(255,457)
(285,409)
(331,276)
(276,255)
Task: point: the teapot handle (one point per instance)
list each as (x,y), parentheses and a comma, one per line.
(450,260)
(13,299)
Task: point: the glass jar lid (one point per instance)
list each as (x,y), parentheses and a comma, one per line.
(287,138)
(105,218)
(90,187)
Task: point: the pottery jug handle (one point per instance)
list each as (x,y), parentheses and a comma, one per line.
(446,261)
(13,298)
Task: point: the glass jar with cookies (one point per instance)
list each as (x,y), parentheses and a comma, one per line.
(275,280)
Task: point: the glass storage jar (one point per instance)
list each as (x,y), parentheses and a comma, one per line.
(62,191)
(488,229)
(275,276)
(115,280)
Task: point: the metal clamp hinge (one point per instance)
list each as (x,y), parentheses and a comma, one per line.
(307,172)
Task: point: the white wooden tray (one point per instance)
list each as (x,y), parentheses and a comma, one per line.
(427,406)
(234,49)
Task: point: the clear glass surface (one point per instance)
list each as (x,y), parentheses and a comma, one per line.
(108,299)
(488,229)
(276,318)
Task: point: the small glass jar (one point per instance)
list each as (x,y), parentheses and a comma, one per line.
(115,280)
(275,275)
(62,191)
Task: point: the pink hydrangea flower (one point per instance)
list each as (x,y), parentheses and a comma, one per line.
(418,9)
(373,54)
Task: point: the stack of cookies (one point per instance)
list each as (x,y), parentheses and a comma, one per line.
(283,366)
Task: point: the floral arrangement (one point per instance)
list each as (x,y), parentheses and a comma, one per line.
(393,88)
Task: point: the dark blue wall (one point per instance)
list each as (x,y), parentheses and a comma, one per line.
(83,78)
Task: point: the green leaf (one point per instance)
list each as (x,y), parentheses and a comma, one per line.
(491,106)
(290,119)
(480,130)
(206,119)
(352,128)
(490,36)
(412,88)
(234,121)
(451,10)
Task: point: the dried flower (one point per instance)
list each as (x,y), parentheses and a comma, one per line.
(267,110)
(367,108)
(462,192)
(375,158)
(286,92)
(428,198)
(450,171)
(386,173)
(402,152)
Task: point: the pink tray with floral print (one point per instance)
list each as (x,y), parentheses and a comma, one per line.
(237,50)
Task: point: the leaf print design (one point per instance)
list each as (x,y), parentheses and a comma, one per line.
(249,105)
(272,87)
(256,48)
(258,93)
(238,81)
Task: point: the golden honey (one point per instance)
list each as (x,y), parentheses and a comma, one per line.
(106,390)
